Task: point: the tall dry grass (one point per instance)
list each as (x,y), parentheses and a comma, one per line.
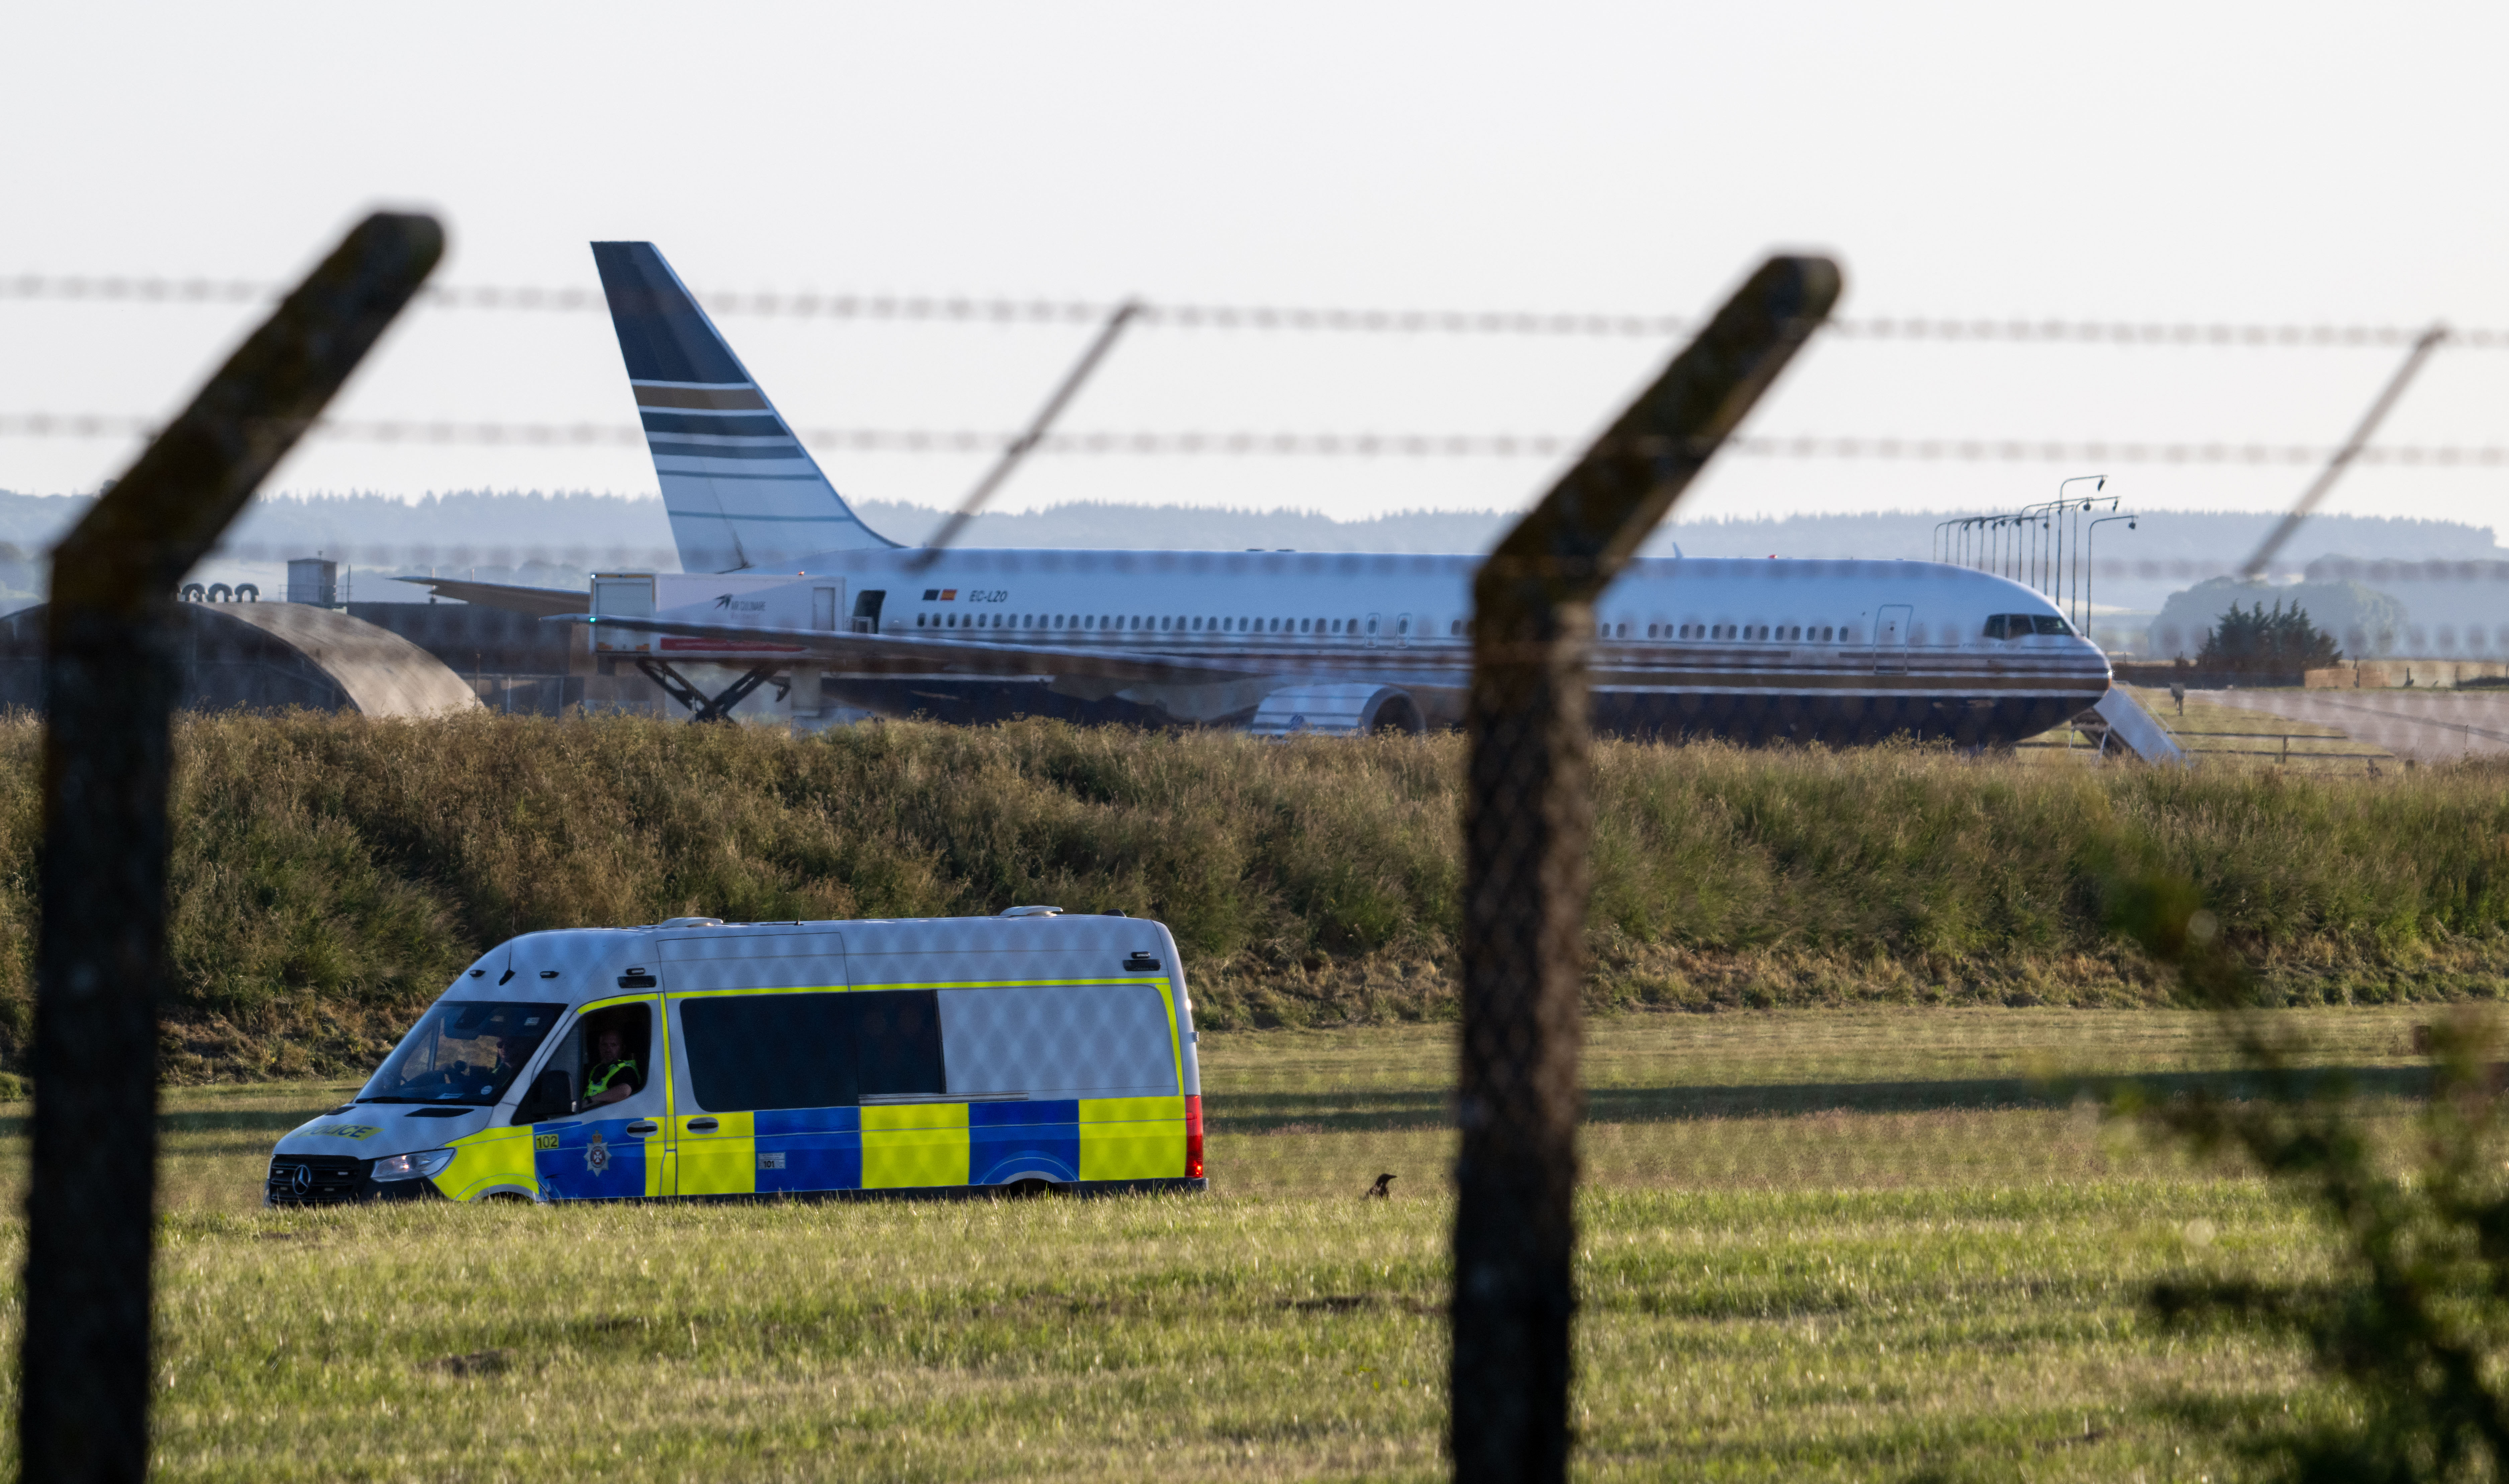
(332,872)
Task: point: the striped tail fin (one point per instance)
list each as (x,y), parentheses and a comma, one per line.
(741,490)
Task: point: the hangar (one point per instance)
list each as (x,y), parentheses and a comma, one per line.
(268,656)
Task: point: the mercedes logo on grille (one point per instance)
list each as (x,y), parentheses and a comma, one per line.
(302,1181)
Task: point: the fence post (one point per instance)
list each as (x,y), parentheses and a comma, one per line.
(111,672)
(1527,820)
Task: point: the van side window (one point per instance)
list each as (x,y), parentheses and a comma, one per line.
(753,1052)
(898,1041)
(616,1046)
(758,1052)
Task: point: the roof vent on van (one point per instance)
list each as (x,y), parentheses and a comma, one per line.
(690,922)
(1032,911)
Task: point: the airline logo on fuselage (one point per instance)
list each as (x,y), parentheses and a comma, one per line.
(751,606)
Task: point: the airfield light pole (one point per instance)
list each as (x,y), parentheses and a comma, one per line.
(1528,824)
(2066,509)
(111,672)
(2088,571)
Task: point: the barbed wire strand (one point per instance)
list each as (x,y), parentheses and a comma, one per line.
(1008,309)
(1254,444)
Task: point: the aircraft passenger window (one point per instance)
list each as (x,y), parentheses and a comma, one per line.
(1824,633)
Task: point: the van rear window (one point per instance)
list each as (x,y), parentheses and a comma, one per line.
(757,1052)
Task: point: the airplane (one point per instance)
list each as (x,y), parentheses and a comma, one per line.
(783,580)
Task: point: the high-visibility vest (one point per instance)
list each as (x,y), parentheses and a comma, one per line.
(601,1084)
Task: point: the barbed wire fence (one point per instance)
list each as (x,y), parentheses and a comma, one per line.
(1360,444)
(1007,309)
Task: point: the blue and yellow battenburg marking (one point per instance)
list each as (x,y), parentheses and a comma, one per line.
(921,1145)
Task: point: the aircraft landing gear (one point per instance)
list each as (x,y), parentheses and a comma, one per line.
(710,708)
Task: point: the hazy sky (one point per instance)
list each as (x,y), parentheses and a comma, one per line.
(2277,164)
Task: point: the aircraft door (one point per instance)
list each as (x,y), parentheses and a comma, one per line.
(1371,631)
(1891,638)
(824,602)
(622,598)
(1402,631)
(867,605)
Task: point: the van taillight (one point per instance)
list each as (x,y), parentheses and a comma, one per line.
(1193,1137)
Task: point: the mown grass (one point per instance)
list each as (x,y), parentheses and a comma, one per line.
(1816,1246)
(332,872)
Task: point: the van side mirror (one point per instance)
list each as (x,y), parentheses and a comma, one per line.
(552,1096)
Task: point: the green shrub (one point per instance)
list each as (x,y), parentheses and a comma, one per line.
(331,874)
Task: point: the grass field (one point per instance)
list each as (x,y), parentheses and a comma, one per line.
(1846,1244)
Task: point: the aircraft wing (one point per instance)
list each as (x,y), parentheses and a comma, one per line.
(538,602)
(899,655)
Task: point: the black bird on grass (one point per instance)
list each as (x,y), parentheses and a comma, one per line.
(1382,1189)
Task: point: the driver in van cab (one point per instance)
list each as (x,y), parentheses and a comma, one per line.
(614,1076)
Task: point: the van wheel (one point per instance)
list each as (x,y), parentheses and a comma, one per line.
(1026,1190)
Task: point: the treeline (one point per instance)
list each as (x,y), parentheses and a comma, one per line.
(332,874)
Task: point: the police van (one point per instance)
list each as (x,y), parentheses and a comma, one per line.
(1029,1051)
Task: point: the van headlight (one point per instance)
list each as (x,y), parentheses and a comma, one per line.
(411,1166)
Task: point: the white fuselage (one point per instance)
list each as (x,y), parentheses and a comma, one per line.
(1832,650)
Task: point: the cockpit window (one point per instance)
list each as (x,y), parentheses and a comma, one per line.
(464,1052)
(2049,623)
(2023,625)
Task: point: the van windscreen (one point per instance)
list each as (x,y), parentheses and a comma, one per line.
(758,1052)
(463,1052)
